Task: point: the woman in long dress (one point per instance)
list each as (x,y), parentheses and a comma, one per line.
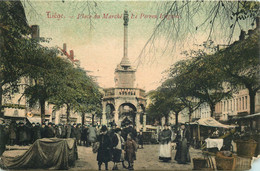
(165,144)
(182,154)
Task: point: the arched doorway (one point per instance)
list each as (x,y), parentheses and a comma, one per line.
(110,113)
(127,110)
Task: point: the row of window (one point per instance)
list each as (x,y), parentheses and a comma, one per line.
(236,104)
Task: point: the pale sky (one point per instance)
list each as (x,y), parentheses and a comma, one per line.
(100,48)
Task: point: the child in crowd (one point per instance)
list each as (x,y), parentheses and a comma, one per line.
(130,149)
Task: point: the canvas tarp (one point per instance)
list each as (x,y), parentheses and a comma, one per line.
(52,153)
(211,122)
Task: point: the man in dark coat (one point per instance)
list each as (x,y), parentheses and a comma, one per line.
(127,130)
(111,132)
(140,139)
(12,131)
(22,134)
(49,133)
(78,133)
(28,130)
(36,132)
(7,133)
(43,130)
(84,135)
(104,151)
(2,137)
(73,131)
(183,140)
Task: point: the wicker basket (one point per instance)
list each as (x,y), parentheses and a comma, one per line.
(225,163)
(246,148)
(199,163)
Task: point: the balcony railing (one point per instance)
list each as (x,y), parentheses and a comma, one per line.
(115,92)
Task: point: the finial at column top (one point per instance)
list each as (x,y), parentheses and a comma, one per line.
(126,19)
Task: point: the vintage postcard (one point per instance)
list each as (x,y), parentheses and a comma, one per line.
(129,85)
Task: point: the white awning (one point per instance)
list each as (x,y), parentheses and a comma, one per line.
(211,122)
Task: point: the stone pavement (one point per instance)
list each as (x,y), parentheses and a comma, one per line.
(147,159)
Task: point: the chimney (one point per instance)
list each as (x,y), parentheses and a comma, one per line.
(242,35)
(72,54)
(35,31)
(64,47)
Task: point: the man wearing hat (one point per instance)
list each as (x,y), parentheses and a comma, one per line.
(182,154)
(36,131)
(73,131)
(22,136)
(49,131)
(78,133)
(43,130)
(104,151)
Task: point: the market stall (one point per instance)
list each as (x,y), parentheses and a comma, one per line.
(209,128)
(51,153)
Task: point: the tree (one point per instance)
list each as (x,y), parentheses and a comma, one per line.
(13,28)
(201,79)
(164,100)
(90,101)
(77,92)
(176,104)
(46,71)
(240,63)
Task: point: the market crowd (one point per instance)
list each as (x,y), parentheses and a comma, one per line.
(111,143)
(23,134)
(120,145)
